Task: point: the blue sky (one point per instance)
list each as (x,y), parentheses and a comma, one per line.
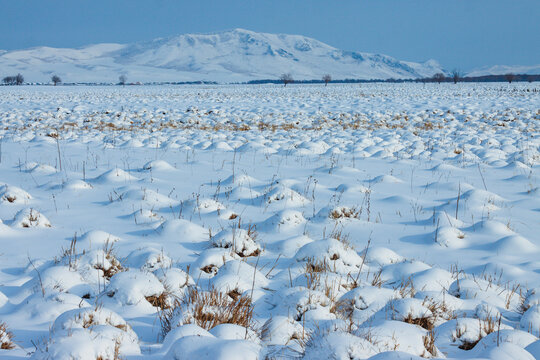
(461,34)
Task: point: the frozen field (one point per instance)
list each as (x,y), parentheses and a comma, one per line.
(381,221)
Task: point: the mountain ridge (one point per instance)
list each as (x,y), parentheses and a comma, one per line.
(229,56)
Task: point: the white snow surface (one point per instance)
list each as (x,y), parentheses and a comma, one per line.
(381,221)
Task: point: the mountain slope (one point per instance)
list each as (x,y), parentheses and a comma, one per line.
(236,55)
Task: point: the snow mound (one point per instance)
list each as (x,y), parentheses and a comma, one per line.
(175,281)
(339,345)
(158,165)
(284,196)
(514,244)
(336,254)
(134,286)
(239,277)
(13,195)
(182,230)
(286,220)
(89,334)
(210,260)
(30,218)
(115,176)
(281,330)
(381,256)
(449,237)
(97,239)
(212,348)
(240,242)
(77,185)
(148,259)
(530,321)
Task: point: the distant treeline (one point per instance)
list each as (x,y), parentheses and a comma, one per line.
(342,81)
(486,78)
(19,80)
(145,83)
(491,78)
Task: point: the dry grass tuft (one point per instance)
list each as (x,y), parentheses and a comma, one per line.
(345,212)
(313,271)
(406,288)
(313,266)
(377,279)
(337,234)
(486,327)
(469,345)
(426,322)
(32,218)
(439,309)
(161,301)
(6,338)
(209,269)
(10,198)
(115,265)
(208,309)
(429,343)
(343,309)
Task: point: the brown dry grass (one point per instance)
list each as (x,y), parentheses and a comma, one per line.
(343,309)
(487,326)
(161,301)
(209,268)
(429,343)
(345,212)
(208,309)
(6,337)
(10,198)
(103,121)
(33,218)
(116,265)
(426,322)
(89,321)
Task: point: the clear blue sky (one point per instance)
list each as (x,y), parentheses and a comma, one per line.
(461,34)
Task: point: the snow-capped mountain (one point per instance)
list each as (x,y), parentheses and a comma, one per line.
(505,69)
(230,56)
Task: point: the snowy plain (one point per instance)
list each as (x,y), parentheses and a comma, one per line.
(381,221)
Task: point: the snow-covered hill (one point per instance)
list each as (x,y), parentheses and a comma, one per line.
(230,56)
(505,69)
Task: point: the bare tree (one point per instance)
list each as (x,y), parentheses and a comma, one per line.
(122,79)
(439,77)
(56,79)
(19,79)
(286,79)
(509,77)
(9,80)
(456,76)
(326,78)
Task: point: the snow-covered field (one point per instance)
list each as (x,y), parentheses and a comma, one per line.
(381,221)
